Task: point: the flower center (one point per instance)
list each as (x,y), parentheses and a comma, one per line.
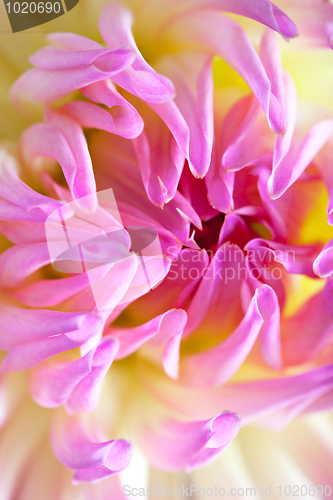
(208,238)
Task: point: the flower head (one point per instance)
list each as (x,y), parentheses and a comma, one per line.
(168,272)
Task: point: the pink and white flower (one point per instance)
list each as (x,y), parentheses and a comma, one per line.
(167,279)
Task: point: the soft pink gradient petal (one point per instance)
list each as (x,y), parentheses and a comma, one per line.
(64,141)
(54,58)
(220,184)
(191,73)
(81,179)
(85,395)
(314,20)
(29,354)
(126,122)
(48,293)
(214,367)
(159,337)
(309,331)
(125,179)
(160,159)
(225,37)
(175,446)
(218,288)
(19,261)
(295,259)
(22,201)
(130,339)
(323,265)
(251,142)
(252,400)
(282,144)
(140,79)
(91,460)
(75,384)
(262,11)
(195,191)
(22,325)
(292,166)
(46,85)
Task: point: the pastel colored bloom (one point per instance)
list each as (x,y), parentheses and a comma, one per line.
(166,273)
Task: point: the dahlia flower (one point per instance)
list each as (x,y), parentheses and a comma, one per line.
(166,204)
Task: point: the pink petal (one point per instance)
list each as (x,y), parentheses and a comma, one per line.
(295,259)
(52,385)
(23,325)
(324,166)
(75,383)
(174,120)
(80,177)
(163,332)
(22,196)
(12,213)
(262,11)
(108,292)
(225,37)
(125,179)
(140,79)
(48,293)
(290,168)
(187,446)
(234,230)
(150,272)
(55,58)
(309,331)
(262,267)
(195,192)
(183,278)
(253,400)
(251,141)
(73,446)
(46,140)
(270,341)
(282,144)
(23,231)
(40,334)
(126,121)
(270,396)
(98,473)
(220,186)
(86,394)
(160,159)
(147,85)
(271,59)
(314,20)
(29,354)
(19,261)
(130,339)
(323,265)
(192,76)
(43,85)
(215,366)
(219,288)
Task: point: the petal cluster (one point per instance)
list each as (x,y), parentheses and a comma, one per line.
(163,288)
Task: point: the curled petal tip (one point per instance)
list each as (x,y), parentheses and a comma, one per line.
(286,26)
